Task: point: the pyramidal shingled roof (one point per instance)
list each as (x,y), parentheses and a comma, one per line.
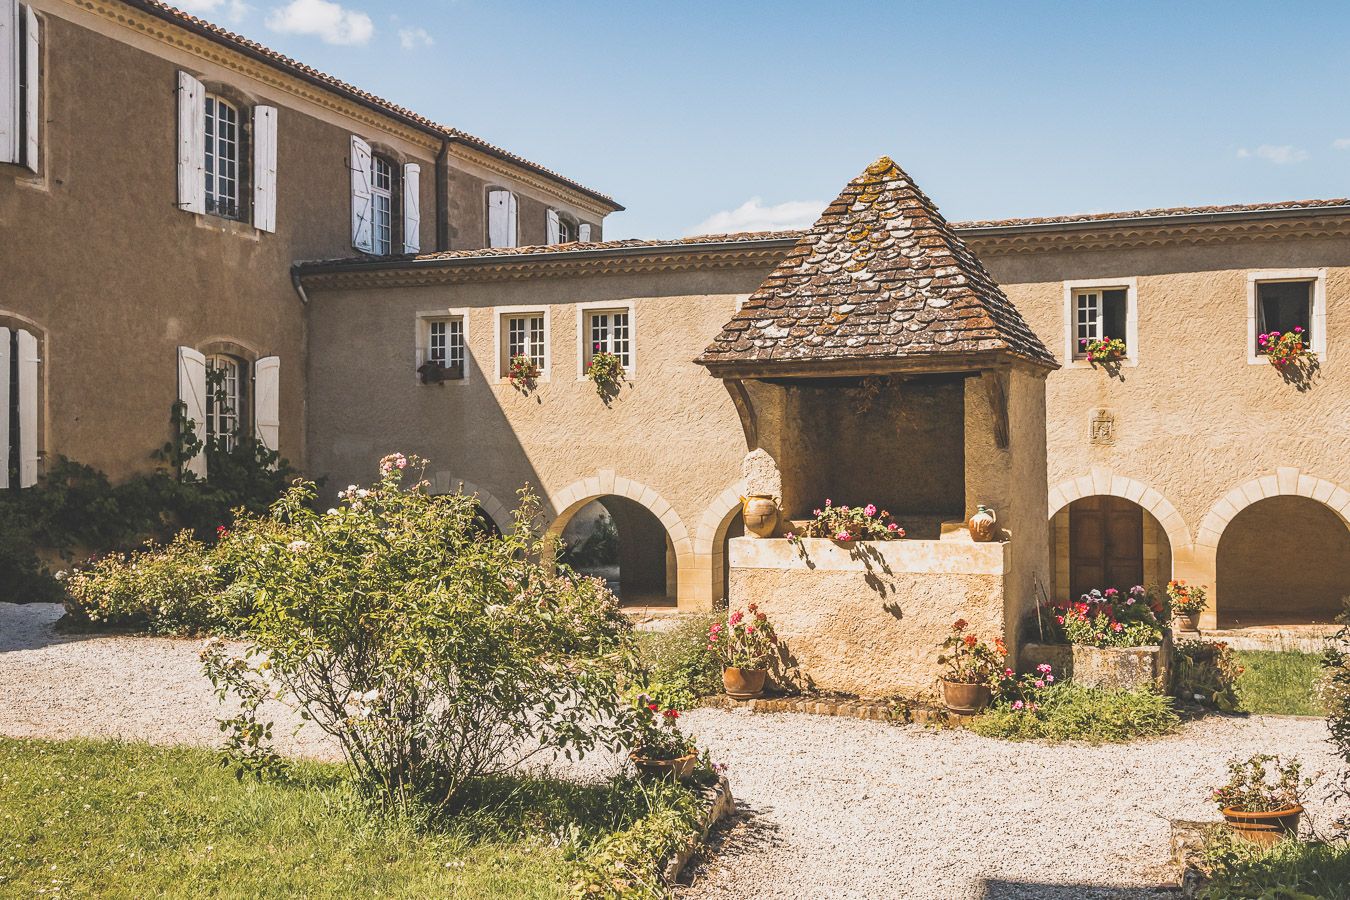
(880,276)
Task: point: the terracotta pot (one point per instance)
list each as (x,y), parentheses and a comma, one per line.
(681,768)
(1264,828)
(982,524)
(1188,623)
(965,699)
(760,512)
(743,684)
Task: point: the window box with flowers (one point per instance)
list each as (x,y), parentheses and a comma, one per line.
(1104,351)
(606,371)
(847,524)
(1285,349)
(523,373)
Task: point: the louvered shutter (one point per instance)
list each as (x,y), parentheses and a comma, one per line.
(9,81)
(554,227)
(191,144)
(192,392)
(497,215)
(265,168)
(4,407)
(32,50)
(27,350)
(412,208)
(266,404)
(584,231)
(363,225)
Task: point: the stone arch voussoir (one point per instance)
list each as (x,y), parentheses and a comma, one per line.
(445,483)
(1102,481)
(571,498)
(1285,481)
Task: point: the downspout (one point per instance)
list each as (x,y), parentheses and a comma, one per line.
(299,286)
(442,197)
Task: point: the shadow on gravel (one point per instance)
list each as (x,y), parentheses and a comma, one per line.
(32,626)
(744,832)
(999,889)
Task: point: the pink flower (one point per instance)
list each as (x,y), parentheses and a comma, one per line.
(1017,704)
(749,629)
(870,510)
(1007,673)
(1040,683)
(1117,627)
(1049,679)
(827,501)
(735,618)
(790,536)
(892,527)
(1044,668)
(841,536)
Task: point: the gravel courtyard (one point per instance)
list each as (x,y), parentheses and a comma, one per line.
(829,808)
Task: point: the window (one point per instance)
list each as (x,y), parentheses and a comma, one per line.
(382,203)
(224,399)
(445,344)
(608,332)
(1099,314)
(523,332)
(1283,306)
(222,157)
(567,231)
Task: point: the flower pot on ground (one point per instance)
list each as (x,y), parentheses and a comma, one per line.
(973,667)
(1263,799)
(745,645)
(661,749)
(1187,603)
(681,768)
(743,684)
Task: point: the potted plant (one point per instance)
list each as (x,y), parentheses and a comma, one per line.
(662,750)
(1259,809)
(1108,618)
(522,372)
(1284,349)
(973,667)
(744,644)
(1187,604)
(436,372)
(851,523)
(606,370)
(1104,350)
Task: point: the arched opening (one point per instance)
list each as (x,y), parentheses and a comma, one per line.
(733,527)
(484,522)
(622,541)
(1283,560)
(1103,541)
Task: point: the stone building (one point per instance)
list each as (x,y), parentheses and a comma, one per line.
(340,234)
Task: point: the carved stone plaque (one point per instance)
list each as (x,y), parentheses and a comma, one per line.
(1102,427)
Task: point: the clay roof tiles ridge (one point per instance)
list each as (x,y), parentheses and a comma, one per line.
(881,276)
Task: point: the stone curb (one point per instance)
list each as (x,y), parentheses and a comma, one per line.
(897,711)
(720,804)
(1188,842)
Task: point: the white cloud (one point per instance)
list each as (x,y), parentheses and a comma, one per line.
(1281,155)
(232,10)
(1341,143)
(327,21)
(753,215)
(411,38)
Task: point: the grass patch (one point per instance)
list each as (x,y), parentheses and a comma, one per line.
(130,820)
(680,666)
(1072,713)
(1279,682)
(1290,869)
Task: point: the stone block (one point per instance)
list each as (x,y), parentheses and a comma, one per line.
(1104,668)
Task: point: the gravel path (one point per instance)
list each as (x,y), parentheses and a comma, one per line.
(828,808)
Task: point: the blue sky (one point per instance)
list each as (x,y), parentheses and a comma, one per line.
(741,115)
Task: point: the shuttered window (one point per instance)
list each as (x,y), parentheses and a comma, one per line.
(501,218)
(222,157)
(224,399)
(20,96)
(382,204)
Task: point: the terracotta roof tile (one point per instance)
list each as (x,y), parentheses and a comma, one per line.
(1155,213)
(880,276)
(258,51)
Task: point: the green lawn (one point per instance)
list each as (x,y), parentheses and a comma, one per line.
(129,820)
(1279,681)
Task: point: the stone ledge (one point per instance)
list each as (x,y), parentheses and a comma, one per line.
(720,804)
(899,711)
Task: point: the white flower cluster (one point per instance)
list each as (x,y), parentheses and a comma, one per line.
(360,706)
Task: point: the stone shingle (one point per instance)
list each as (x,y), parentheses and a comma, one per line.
(880,276)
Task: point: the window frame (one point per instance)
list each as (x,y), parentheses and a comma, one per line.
(585,311)
(213,101)
(1317,315)
(243,397)
(1073,359)
(501,335)
(388,194)
(422,337)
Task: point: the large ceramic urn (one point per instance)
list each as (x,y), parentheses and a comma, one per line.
(760,512)
(982,524)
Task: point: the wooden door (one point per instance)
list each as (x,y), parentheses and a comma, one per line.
(1106,544)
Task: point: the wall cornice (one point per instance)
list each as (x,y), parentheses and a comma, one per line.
(1013,240)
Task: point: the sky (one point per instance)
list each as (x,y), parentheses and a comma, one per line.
(738,115)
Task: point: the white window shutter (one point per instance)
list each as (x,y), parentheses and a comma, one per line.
(4,407)
(412,208)
(30,102)
(9,81)
(554,227)
(584,231)
(192,392)
(496,217)
(363,225)
(191,144)
(511,230)
(28,409)
(265,168)
(267,401)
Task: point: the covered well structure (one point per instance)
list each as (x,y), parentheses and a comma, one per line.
(880,363)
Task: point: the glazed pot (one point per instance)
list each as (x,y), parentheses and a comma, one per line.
(680,768)
(743,684)
(963,698)
(1188,623)
(760,512)
(1264,828)
(981,524)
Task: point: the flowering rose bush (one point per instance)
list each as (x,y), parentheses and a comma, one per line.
(970,660)
(606,370)
(1284,349)
(522,372)
(1106,619)
(850,523)
(1103,350)
(746,640)
(1186,600)
(432,653)
(1262,783)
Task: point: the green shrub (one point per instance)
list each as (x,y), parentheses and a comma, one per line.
(626,865)
(679,667)
(1066,712)
(1207,672)
(1336,696)
(178,588)
(1290,870)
